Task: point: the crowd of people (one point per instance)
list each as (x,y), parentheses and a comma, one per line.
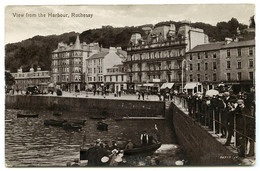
(228,115)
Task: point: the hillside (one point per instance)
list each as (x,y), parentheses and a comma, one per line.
(36,51)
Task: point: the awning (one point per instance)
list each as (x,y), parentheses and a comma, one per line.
(190,85)
(51,85)
(148,85)
(167,85)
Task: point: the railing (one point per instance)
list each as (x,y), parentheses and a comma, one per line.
(237,130)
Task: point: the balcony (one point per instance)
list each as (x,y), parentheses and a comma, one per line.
(156,45)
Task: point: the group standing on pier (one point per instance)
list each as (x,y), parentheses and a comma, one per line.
(229,115)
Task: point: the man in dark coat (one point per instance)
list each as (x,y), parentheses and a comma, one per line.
(144,138)
(241,140)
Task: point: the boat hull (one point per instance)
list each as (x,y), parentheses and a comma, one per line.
(27,116)
(143,149)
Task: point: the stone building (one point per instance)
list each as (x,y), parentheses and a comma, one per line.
(157,57)
(203,66)
(31,78)
(100,64)
(237,65)
(115,79)
(67,64)
(229,62)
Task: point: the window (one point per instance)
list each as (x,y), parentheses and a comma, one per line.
(198,55)
(239,52)
(228,65)
(214,77)
(191,67)
(251,63)
(100,78)
(191,79)
(239,76)
(169,65)
(251,52)
(140,78)
(228,77)
(239,64)
(214,65)
(251,75)
(198,75)
(160,66)
(206,77)
(198,66)
(94,70)
(214,55)
(206,55)
(206,66)
(110,78)
(228,53)
(116,78)
(169,77)
(190,56)
(122,77)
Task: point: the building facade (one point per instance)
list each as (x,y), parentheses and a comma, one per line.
(115,79)
(31,78)
(237,65)
(98,66)
(229,62)
(67,64)
(158,56)
(203,65)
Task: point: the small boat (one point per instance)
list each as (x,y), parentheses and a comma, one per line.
(71,126)
(143,149)
(27,115)
(97,117)
(54,122)
(79,122)
(102,126)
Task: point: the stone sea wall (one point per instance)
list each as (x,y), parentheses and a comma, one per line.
(90,106)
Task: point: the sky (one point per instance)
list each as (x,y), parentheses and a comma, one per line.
(21,28)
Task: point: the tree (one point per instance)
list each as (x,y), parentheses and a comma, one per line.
(252,22)
(9,79)
(233,25)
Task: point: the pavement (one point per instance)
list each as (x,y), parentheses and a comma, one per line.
(96,96)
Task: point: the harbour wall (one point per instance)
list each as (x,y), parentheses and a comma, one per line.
(199,145)
(109,107)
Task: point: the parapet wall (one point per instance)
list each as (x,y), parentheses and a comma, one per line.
(199,145)
(90,106)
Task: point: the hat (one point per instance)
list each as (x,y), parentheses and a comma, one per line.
(104,159)
(240,101)
(114,151)
(226,93)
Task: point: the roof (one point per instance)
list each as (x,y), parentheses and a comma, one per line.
(122,52)
(207,47)
(221,45)
(98,55)
(239,44)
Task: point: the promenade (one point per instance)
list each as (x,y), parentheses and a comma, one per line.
(83,94)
